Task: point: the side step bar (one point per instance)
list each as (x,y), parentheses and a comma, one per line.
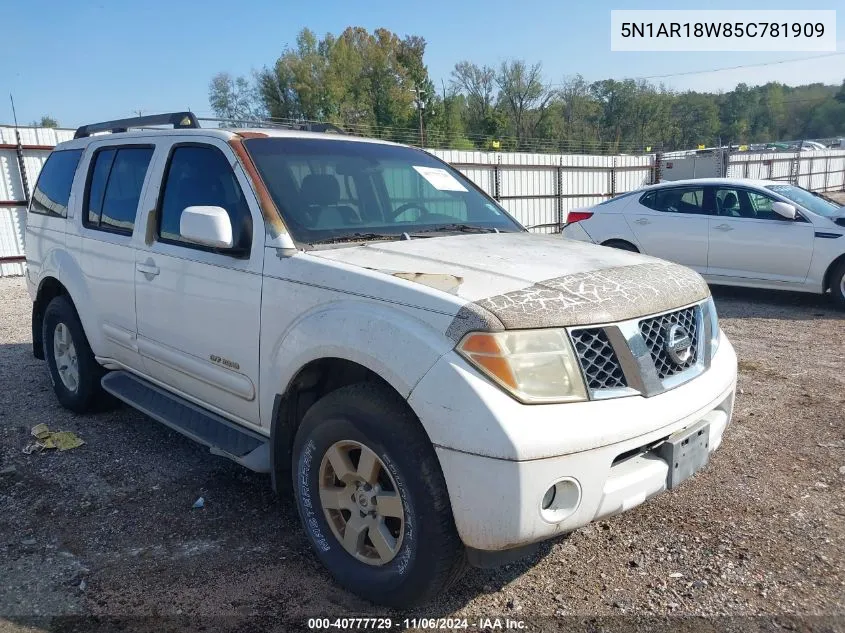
(223,437)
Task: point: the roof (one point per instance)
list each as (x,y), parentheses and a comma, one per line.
(716,181)
(224,134)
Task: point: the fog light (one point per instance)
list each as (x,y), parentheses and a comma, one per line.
(561,500)
(548,497)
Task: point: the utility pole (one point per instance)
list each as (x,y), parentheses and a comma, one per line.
(420,107)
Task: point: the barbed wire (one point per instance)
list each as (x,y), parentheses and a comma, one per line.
(445,139)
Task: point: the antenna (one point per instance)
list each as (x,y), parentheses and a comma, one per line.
(19,152)
(14,114)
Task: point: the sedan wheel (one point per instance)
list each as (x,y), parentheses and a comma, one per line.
(837,284)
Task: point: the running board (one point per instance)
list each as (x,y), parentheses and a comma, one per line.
(223,437)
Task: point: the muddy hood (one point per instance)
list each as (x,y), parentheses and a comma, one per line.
(522,280)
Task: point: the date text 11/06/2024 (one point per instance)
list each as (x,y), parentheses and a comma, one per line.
(443,624)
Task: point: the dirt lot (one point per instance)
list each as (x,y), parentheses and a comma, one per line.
(838,197)
(108,530)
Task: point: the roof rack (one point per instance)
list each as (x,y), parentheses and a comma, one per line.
(179,120)
(329,128)
(283,124)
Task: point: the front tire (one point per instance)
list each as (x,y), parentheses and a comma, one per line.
(74,371)
(837,285)
(372,498)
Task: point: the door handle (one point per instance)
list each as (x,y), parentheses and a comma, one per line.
(642,221)
(724,227)
(148,268)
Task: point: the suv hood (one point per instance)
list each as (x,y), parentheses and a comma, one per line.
(523,280)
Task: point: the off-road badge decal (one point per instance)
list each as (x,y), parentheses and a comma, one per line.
(219,360)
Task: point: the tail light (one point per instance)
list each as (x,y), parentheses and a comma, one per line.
(577,216)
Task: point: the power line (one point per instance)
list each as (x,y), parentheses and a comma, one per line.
(717,70)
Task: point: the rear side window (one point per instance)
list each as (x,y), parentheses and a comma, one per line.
(677,200)
(114,189)
(202,176)
(648,200)
(52,191)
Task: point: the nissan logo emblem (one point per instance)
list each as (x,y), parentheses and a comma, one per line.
(678,344)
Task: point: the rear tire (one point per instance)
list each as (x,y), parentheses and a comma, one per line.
(622,245)
(424,554)
(837,285)
(74,371)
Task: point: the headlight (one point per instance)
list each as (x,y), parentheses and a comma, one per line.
(712,320)
(533,365)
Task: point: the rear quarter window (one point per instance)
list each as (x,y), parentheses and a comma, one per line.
(52,191)
(648,200)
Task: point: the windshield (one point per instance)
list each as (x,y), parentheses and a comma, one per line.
(807,200)
(338,190)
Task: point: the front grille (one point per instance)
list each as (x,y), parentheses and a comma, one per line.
(654,332)
(598,360)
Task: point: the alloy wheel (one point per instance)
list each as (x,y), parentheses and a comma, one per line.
(64,353)
(361,502)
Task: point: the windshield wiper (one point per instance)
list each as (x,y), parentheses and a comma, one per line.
(357,237)
(457,228)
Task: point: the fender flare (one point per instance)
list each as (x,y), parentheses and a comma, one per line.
(59,265)
(388,341)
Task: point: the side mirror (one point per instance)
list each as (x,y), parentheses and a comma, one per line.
(207,226)
(784,209)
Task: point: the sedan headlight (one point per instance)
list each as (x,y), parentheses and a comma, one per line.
(712,321)
(533,365)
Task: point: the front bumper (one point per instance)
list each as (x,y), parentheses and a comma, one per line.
(500,457)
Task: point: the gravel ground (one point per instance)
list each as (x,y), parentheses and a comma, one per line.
(108,530)
(838,196)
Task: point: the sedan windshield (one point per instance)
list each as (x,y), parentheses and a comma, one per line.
(808,200)
(347,191)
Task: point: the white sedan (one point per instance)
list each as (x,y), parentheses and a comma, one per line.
(734,232)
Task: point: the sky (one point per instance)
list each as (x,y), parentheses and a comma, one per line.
(81,61)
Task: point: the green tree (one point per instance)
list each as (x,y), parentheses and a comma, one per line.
(825,120)
(233,99)
(524,97)
(478,85)
(579,113)
(736,113)
(647,111)
(697,117)
(367,81)
(616,100)
(445,123)
(46,121)
(377,83)
(769,119)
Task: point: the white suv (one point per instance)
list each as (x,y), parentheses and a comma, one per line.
(357,319)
